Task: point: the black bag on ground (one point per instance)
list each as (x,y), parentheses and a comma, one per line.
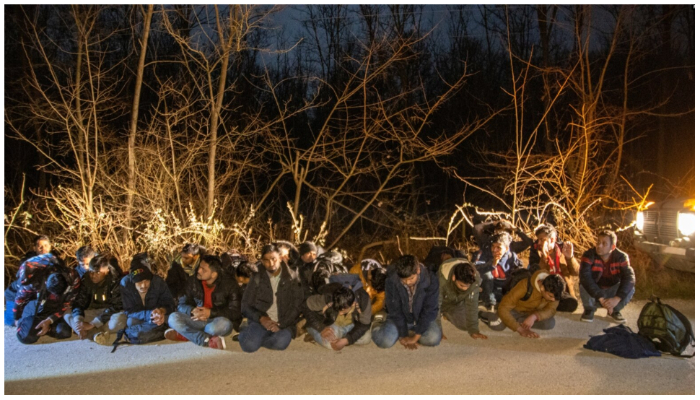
(669,330)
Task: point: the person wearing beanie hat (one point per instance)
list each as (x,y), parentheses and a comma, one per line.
(147,301)
(47,288)
(308,252)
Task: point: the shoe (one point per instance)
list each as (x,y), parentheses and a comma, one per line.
(587,316)
(308,338)
(617,316)
(102,338)
(378,318)
(217,342)
(172,334)
(235,337)
(492,321)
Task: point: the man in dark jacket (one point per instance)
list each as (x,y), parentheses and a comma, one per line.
(412,307)
(147,301)
(211,308)
(47,288)
(182,268)
(100,301)
(272,304)
(485,230)
(607,279)
(338,316)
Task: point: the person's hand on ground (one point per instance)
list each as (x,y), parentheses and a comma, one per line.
(339,344)
(568,249)
(529,321)
(43,327)
(410,342)
(527,333)
(478,336)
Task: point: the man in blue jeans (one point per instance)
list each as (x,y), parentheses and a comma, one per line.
(607,279)
(412,307)
(272,304)
(210,309)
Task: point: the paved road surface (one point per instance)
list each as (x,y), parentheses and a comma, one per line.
(504,364)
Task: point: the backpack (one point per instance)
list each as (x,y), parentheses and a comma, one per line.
(666,327)
(351,281)
(517,276)
(133,335)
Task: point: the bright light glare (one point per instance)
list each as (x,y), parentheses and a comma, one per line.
(640,220)
(686,223)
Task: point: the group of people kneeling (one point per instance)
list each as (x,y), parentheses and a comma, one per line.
(204,298)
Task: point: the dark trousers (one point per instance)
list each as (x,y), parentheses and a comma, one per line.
(491,288)
(568,303)
(26,328)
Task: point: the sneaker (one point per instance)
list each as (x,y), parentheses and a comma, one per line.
(587,316)
(235,337)
(378,318)
(308,338)
(217,342)
(617,316)
(172,334)
(102,338)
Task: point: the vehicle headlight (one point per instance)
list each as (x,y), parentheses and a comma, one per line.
(686,223)
(640,220)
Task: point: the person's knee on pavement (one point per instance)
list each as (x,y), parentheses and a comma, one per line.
(117,322)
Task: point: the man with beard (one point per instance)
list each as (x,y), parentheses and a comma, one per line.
(272,304)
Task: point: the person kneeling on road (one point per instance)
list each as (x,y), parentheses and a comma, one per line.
(211,308)
(338,317)
(459,295)
(272,304)
(532,303)
(412,307)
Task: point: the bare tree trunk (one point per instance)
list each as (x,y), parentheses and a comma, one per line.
(216,109)
(135,115)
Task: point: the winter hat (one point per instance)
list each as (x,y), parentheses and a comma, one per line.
(140,274)
(141,260)
(307,247)
(56,283)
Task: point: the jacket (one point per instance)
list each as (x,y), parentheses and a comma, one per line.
(592,267)
(451,296)
(32,286)
(177,279)
(319,313)
(376,298)
(257,298)
(536,304)
(157,296)
(425,302)
(509,262)
(225,299)
(106,294)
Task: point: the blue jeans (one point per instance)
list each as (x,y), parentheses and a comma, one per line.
(9,314)
(26,327)
(255,336)
(340,332)
(198,331)
(491,289)
(591,304)
(385,334)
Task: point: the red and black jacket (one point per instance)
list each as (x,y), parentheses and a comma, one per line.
(617,270)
